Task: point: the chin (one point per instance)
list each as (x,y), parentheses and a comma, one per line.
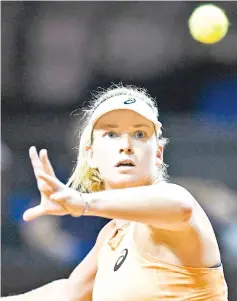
(126,181)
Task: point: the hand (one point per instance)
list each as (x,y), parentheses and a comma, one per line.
(56,198)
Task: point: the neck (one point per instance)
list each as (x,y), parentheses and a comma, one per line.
(152,181)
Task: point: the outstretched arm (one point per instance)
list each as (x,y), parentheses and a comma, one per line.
(162,205)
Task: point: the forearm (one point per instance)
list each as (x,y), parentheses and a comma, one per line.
(158,205)
(161,205)
(58,290)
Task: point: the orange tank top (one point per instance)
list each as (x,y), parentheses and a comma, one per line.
(125,274)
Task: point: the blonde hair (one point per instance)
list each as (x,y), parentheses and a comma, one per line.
(87,179)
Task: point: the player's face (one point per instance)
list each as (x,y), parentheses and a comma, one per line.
(125,137)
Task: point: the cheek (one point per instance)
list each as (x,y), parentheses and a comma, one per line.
(147,156)
(103,156)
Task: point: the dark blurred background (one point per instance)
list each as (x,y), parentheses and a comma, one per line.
(54,55)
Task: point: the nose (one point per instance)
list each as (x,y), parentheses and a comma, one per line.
(126,146)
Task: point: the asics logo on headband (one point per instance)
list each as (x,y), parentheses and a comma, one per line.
(129,101)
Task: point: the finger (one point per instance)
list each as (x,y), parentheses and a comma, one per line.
(46,162)
(33,213)
(53,182)
(59,196)
(69,201)
(62,198)
(44,187)
(35,160)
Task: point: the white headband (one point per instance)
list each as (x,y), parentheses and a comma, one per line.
(124,102)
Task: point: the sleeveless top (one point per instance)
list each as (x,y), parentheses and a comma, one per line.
(126,274)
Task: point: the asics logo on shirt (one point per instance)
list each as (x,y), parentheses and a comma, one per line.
(121,259)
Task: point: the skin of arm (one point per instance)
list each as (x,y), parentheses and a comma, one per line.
(161,205)
(79,285)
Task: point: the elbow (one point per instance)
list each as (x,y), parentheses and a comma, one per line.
(187,211)
(185,202)
(187,214)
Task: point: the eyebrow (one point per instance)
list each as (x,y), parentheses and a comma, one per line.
(114,126)
(141,125)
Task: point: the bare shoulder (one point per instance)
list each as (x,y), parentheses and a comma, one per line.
(199,219)
(193,244)
(199,231)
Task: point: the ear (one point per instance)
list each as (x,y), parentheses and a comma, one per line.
(159,155)
(90,157)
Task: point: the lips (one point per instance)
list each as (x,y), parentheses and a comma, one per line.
(125,162)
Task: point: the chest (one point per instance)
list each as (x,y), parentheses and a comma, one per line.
(122,276)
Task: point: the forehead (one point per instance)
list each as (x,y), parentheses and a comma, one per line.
(122,118)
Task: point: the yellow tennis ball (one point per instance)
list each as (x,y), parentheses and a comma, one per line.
(208,24)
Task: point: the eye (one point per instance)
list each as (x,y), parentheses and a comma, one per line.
(139,135)
(111,134)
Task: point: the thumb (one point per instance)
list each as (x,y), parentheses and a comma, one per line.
(33,213)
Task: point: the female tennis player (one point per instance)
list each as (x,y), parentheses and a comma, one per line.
(159,244)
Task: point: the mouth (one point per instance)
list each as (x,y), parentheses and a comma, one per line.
(125,163)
